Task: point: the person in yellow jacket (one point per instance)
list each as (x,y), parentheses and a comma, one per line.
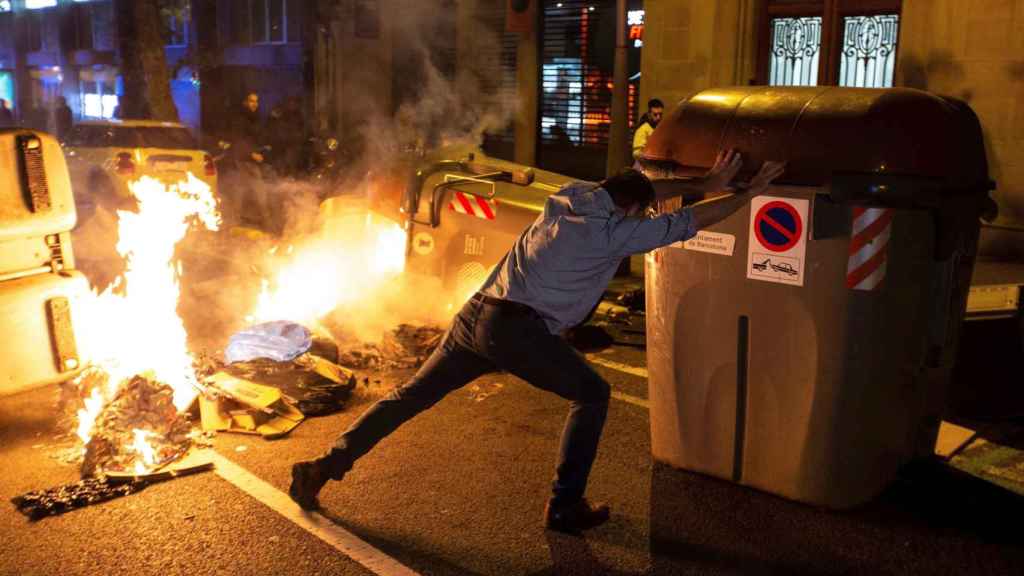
(648,122)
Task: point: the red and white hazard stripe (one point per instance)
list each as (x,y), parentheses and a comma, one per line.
(869,244)
(473,205)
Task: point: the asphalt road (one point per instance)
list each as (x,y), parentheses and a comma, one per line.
(460,490)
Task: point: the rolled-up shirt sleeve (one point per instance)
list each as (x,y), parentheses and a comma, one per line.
(639,235)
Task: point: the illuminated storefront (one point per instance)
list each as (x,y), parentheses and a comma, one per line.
(98,92)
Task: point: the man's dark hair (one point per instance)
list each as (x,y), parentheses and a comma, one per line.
(629,188)
(655,103)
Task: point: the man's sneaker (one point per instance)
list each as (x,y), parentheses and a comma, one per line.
(573,518)
(307,479)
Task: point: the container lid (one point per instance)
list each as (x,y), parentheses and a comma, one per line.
(825,131)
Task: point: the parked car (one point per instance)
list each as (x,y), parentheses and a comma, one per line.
(103,156)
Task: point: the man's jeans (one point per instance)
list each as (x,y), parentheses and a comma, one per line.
(486,338)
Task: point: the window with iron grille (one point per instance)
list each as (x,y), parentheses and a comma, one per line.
(822,42)
(266,21)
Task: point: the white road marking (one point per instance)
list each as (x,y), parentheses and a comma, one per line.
(626,369)
(631,399)
(335,536)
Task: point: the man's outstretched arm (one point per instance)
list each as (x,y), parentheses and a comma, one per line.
(727,164)
(711,212)
(649,233)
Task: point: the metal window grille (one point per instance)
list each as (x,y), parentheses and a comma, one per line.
(868,57)
(575,87)
(795,50)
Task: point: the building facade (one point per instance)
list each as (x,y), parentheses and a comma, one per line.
(53,49)
(969,49)
(533,86)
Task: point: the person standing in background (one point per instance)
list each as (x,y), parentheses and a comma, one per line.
(6,115)
(64,117)
(648,122)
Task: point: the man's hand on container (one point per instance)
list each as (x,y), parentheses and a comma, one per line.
(727,164)
(769,171)
(714,211)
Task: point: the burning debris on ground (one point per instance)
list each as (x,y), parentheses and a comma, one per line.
(130,409)
(406,346)
(139,430)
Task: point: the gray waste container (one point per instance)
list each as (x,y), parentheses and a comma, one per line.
(804,345)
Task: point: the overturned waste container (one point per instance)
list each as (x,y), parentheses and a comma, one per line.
(804,345)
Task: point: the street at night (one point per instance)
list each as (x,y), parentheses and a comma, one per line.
(459,491)
(503,287)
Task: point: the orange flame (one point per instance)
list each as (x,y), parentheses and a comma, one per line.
(139,330)
(355,254)
(146,452)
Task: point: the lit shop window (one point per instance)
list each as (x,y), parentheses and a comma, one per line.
(99,105)
(5,5)
(36,4)
(7,87)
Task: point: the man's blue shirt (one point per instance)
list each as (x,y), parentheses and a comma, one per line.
(561,265)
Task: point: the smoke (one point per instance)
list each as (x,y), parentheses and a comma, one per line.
(447,80)
(432,80)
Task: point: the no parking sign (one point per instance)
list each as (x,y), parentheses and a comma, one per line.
(777,244)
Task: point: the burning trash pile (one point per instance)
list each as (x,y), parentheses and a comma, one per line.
(141,376)
(139,430)
(145,407)
(273,378)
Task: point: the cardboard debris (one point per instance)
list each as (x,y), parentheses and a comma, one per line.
(326,368)
(952,439)
(238,405)
(313,384)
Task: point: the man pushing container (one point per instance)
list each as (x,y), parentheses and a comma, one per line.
(549,281)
